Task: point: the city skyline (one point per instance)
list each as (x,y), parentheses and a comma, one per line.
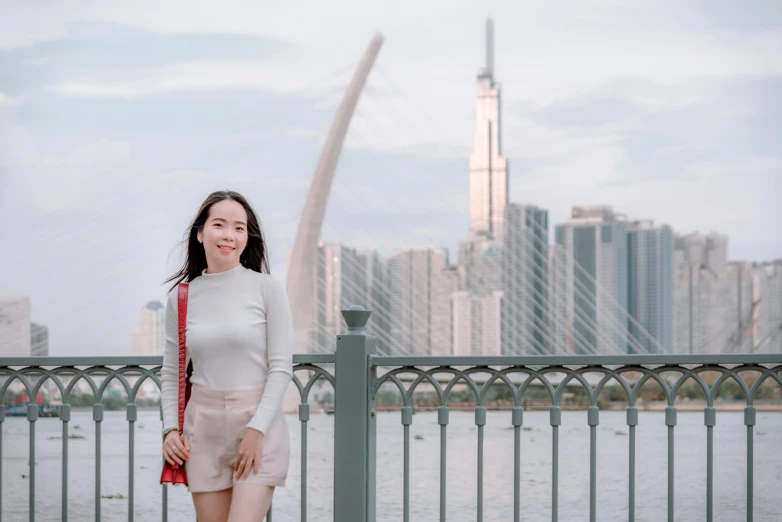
(606,285)
(108,193)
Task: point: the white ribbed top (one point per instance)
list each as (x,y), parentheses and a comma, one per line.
(239,335)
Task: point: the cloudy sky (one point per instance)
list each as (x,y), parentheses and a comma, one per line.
(117,119)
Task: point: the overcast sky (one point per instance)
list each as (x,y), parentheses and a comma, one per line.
(117,119)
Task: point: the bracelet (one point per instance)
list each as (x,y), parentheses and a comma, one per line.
(167,431)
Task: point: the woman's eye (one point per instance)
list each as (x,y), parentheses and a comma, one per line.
(240,229)
(218,225)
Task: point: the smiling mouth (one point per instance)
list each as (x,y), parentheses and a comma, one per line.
(226,249)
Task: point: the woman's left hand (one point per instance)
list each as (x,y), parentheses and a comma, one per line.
(249,455)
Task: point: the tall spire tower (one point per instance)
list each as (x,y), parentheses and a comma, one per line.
(488,169)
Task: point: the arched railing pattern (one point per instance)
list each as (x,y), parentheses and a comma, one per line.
(518,373)
(475,375)
(130,373)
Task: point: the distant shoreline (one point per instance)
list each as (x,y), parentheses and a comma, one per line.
(542,405)
(538,405)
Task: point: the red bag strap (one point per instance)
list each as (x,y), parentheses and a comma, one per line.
(182,352)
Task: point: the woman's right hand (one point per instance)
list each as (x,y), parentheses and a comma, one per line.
(176,448)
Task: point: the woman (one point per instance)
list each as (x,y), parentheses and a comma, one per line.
(235,445)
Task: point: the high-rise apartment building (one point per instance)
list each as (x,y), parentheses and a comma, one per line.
(476,323)
(593,279)
(700,293)
(421,283)
(39,340)
(650,287)
(15,326)
(149,337)
(769,320)
(741,307)
(525,282)
(347,276)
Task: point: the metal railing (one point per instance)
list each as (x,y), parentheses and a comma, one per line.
(517,373)
(131,373)
(356,374)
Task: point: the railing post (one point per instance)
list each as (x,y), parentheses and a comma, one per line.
(354,429)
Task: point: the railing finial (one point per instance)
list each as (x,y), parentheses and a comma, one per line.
(356,317)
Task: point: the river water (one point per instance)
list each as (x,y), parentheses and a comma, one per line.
(612,445)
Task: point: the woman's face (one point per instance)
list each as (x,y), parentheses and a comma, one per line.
(224,235)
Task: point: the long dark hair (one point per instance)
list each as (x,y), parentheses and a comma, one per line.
(254,256)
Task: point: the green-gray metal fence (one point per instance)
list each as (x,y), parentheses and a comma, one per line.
(518,372)
(99,373)
(356,374)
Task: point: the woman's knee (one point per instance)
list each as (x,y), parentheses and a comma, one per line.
(250,502)
(213,506)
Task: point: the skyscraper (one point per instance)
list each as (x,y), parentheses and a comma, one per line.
(39,340)
(741,307)
(770,313)
(476,323)
(149,337)
(341,280)
(477,308)
(488,168)
(15,326)
(594,280)
(700,293)
(561,336)
(525,273)
(650,287)
(346,276)
(421,283)
(744,308)
(445,284)
(480,265)
(376,295)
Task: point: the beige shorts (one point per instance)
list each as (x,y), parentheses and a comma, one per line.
(216,421)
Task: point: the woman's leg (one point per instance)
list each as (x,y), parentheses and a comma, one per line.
(212,506)
(250,502)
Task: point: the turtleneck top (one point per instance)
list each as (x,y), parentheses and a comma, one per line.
(239,335)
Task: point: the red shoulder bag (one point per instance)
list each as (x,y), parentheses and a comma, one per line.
(172,473)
